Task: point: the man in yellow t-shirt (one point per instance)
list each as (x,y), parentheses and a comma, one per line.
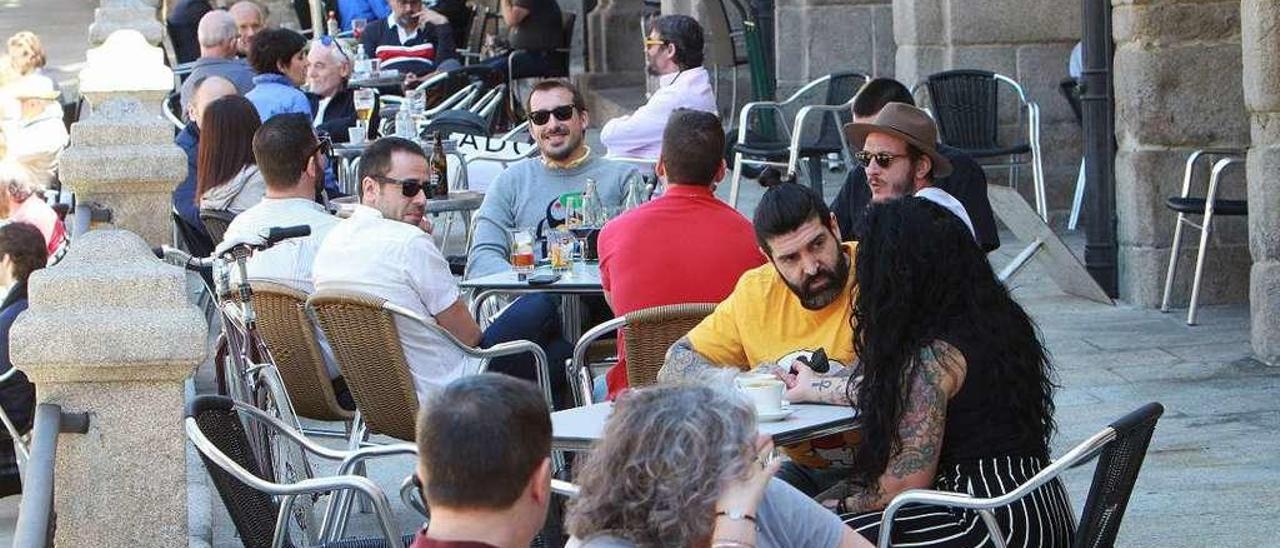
(783,311)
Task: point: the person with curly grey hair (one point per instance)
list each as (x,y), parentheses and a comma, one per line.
(682,465)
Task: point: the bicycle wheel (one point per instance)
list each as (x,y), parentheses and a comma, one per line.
(289,463)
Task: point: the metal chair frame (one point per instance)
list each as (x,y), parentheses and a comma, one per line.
(21,442)
(1078,455)
(1227,158)
(745,116)
(344,481)
(1033,137)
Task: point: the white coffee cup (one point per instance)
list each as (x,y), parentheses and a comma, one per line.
(765,394)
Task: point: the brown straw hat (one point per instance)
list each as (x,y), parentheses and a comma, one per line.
(905,122)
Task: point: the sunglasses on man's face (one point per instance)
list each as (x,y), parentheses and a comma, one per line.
(654,42)
(408,187)
(883,159)
(562,113)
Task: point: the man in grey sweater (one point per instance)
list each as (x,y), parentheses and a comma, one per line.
(527,196)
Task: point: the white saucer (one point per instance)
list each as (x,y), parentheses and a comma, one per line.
(776,415)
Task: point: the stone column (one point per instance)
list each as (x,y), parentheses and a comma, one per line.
(122,156)
(114,15)
(818,37)
(614,40)
(109,332)
(1029,41)
(1261,47)
(1176,91)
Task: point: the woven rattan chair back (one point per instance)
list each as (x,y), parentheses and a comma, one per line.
(1115,475)
(366,343)
(650,332)
(283,323)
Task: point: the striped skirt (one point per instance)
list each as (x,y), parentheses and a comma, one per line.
(1042,519)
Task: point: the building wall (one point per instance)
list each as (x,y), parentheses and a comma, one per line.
(1177,89)
(1027,40)
(818,37)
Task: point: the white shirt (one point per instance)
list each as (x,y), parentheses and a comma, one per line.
(945,199)
(404,35)
(289,262)
(400,263)
(639,135)
(38,143)
(321,106)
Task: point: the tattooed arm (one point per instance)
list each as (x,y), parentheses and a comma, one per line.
(913,466)
(807,386)
(683,363)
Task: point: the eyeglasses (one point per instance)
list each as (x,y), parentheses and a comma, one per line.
(562,113)
(324,146)
(883,159)
(408,187)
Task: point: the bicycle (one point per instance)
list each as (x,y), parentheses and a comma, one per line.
(244,368)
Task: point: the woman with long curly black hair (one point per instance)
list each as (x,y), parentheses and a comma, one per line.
(952,385)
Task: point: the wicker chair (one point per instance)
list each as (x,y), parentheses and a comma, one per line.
(648,333)
(362,330)
(214,426)
(366,343)
(284,324)
(1122,447)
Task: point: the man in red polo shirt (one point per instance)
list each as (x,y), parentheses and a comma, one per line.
(684,247)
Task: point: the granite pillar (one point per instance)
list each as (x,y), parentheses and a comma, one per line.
(1260,33)
(110,332)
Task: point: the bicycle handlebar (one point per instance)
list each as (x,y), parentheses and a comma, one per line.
(279,233)
(194,264)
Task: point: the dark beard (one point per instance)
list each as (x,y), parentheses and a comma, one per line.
(819,299)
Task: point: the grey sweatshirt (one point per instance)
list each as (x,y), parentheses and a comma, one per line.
(523,197)
(241,192)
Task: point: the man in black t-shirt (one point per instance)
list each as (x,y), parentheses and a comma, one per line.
(535,29)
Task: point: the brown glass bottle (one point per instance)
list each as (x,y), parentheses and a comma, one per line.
(439,170)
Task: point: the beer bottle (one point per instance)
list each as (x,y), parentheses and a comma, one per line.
(439,170)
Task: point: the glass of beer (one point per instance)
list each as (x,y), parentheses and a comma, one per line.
(522,259)
(364,102)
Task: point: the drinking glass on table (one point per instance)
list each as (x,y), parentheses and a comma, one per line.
(522,259)
(364,100)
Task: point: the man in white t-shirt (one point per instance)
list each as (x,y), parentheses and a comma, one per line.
(291,160)
(384,249)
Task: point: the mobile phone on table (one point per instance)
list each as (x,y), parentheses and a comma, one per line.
(544,278)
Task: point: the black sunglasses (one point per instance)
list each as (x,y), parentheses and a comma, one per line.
(408,187)
(561,113)
(884,159)
(324,145)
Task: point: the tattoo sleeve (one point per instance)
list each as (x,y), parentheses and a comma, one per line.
(920,431)
(683,363)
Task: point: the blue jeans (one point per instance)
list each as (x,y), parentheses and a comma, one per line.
(525,64)
(534,318)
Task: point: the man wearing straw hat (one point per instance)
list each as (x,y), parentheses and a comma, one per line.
(37,135)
